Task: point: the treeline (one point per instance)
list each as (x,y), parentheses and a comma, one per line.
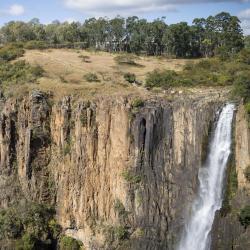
(221,33)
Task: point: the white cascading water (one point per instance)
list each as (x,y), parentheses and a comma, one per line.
(196,235)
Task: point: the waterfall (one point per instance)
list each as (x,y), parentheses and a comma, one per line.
(196,235)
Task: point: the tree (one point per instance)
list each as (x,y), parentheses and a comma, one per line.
(177,40)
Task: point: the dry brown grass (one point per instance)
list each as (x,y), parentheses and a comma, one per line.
(65,70)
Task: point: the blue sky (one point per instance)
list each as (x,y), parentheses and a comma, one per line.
(78,10)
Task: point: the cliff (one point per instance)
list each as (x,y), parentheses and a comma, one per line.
(120,171)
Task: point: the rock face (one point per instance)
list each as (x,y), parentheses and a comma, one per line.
(120,176)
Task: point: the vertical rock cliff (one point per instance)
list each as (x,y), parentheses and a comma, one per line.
(120,175)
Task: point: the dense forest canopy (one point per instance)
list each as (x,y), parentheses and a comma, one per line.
(221,33)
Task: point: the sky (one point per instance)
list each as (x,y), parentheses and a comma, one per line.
(78,10)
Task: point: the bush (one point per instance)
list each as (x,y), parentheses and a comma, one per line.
(247,107)
(19,72)
(35,45)
(30,223)
(244,216)
(121,233)
(130,77)
(165,79)
(85,59)
(91,77)
(68,243)
(37,71)
(127,60)
(137,103)
(27,242)
(10,52)
(244,56)
(242,84)
(131,178)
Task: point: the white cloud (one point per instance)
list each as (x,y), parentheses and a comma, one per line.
(13,10)
(132,6)
(245,24)
(16,10)
(244,15)
(119,6)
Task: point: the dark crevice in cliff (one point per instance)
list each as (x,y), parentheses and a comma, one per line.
(142,141)
(12,144)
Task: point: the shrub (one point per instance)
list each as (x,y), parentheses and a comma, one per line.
(35,45)
(157,78)
(127,60)
(119,208)
(244,216)
(242,84)
(19,72)
(68,243)
(247,173)
(29,223)
(85,59)
(247,107)
(91,77)
(130,77)
(121,233)
(10,52)
(131,178)
(137,103)
(244,56)
(27,242)
(37,71)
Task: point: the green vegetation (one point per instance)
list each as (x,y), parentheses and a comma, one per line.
(18,72)
(116,233)
(247,173)
(130,77)
(68,243)
(31,224)
(85,59)
(10,52)
(220,34)
(120,209)
(35,45)
(67,148)
(165,79)
(127,59)
(247,106)
(91,77)
(244,216)
(137,103)
(131,178)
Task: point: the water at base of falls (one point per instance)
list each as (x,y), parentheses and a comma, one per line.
(196,235)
